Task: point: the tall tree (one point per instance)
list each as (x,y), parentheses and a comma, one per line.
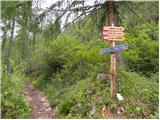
(9,17)
(10,47)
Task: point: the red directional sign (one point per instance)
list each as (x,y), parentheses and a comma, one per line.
(111,28)
(116,38)
(113,33)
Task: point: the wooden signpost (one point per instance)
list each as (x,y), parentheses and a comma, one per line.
(112,72)
(112,33)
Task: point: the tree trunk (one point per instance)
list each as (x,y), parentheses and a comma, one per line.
(34,42)
(10,47)
(112,72)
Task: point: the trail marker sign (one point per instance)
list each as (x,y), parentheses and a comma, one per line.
(108,50)
(117,48)
(113,28)
(112,33)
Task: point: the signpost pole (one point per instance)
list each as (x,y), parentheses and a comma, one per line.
(112,72)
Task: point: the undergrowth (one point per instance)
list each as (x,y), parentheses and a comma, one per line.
(13,100)
(73,88)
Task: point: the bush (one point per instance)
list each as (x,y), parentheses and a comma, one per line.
(68,61)
(65,106)
(74,82)
(13,100)
(142,54)
(140,94)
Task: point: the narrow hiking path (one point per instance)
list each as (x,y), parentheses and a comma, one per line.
(42,110)
(39,103)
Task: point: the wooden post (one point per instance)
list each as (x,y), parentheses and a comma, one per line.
(112,72)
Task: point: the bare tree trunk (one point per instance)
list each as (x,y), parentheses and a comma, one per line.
(3,46)
(112,72)
(30,61)
(10,48)
(34,42)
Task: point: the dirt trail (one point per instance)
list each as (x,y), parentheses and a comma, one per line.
(107,114)
(39,103)
(42,110)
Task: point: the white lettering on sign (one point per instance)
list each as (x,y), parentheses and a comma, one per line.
(110,28)
(116,38)
(113,33)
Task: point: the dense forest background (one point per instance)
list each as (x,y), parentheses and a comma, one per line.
(57,50)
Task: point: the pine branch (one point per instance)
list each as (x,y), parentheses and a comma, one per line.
(77,9)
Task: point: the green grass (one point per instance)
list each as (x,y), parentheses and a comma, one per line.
(77,101)
(74,89)
(14,104)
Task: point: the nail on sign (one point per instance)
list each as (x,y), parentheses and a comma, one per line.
(113,33)
(117,48)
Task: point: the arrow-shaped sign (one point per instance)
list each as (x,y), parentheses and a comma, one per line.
(111,28)
(116,38)
(117,48)
(113,33)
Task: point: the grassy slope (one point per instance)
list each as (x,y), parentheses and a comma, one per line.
(76,84)
(140,97)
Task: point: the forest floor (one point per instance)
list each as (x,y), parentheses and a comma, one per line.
(39,103)
(107,114)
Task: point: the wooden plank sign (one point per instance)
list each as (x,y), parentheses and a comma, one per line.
(113,33)
(116,38)
(111,28)
(117,48)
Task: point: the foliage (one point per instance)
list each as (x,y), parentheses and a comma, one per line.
(142,55)
(66,56)
(13,101)
(74,83)
(141,94)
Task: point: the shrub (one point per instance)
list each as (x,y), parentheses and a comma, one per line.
(13,100)
(65,107)
(140,94)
